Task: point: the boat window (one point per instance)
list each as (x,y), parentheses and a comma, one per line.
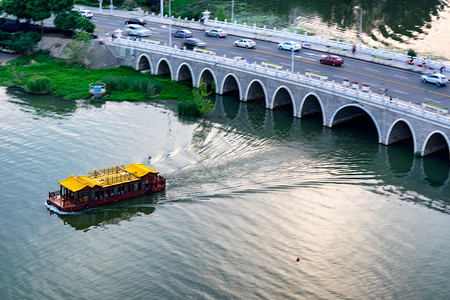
(135,187)
(125,189)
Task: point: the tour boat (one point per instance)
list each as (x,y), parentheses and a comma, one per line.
(103,186)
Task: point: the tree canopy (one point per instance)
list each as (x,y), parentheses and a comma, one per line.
(73,20)
(35,10)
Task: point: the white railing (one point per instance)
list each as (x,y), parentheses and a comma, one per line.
(332,87)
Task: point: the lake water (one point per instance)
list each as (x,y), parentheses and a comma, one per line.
(249,191)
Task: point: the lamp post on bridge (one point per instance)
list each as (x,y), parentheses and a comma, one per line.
(360,23)
(293,32)
(170,23)
(111,6)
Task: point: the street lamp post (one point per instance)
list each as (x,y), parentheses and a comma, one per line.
(360,23)
(111,6)
(161,6)
(293,32)
(170,23)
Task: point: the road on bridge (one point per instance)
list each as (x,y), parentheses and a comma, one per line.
(401,83)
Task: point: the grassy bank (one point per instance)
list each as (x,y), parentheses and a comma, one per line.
(72,81)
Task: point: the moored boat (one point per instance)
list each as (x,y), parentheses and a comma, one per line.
(106,185)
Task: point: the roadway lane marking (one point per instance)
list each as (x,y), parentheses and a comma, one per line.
(311,59)
(401,92)
(312,54)
(373,70)
(400,76)
(433,100)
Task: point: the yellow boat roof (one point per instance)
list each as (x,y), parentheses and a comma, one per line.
(107,176)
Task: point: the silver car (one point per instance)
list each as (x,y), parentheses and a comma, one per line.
(437,79)
(136,30)
(218,33)
(246,43)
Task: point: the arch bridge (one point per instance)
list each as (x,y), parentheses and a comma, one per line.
(394,120)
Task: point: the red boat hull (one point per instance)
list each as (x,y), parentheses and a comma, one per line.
(103,201)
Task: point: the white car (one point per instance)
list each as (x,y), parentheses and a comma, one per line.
(86,13)
(246,43)
(136,30)
(437,79)
(291,46)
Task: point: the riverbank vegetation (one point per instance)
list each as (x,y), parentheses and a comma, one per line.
(40,73)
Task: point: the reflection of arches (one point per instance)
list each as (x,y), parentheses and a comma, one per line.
(311,104)
(209,78)
(401,129)
(185,73)
(434,142)
(256,90)
(283,97)
(144,64)
(353,111)
(231,83)
(163,67)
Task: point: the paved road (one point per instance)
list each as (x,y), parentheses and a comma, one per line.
(401,83)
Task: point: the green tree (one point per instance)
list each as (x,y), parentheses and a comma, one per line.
(201,98)
(220,13)
(72,20)
(24,41)
(35,10)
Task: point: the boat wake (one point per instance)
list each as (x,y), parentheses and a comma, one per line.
(55,210)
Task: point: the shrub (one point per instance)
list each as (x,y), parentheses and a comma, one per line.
(187,108)
(412,53)
(38,85)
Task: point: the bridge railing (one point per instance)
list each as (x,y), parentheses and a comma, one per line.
(357,94)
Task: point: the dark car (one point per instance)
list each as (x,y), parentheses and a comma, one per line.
(332,60)
(191,43)
(138,21)
(184,33)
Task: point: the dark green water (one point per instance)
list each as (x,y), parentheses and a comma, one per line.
(249,191)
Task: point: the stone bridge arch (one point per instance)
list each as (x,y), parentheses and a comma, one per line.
(282,97)
(231,83)
(185,73)
(400,129)
(256,90)
(311,104)
(434,142)
(209,77)
(353,111)
(144,64)
(164,67)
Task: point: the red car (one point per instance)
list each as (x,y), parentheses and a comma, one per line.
(332,60)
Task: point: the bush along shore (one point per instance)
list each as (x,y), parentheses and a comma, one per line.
(40,74)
